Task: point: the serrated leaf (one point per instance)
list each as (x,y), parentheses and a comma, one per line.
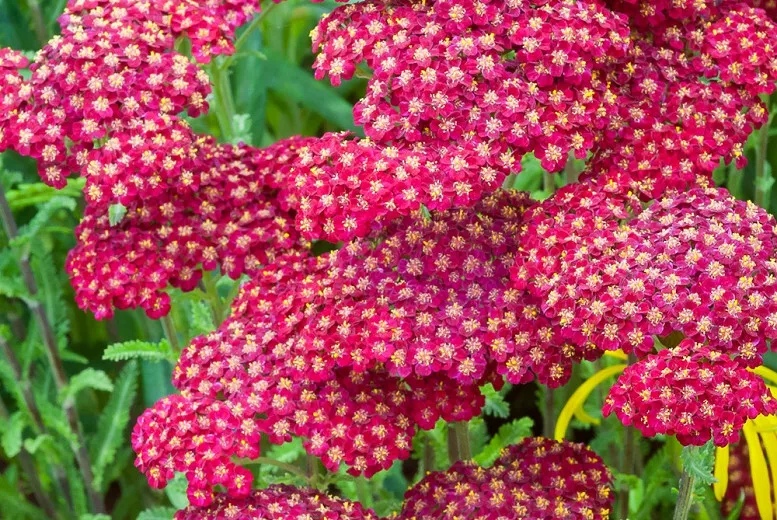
(90,516)
(201,318)
(87,378)
(496,405)
(113,422)
(116,213)
(77,490)
(508,434)
(33,445)
(50,284)
(12,436)
(41,218)
(26,195)
(157,513)
(176,491)
(137,349)
(699,461)
(54,418)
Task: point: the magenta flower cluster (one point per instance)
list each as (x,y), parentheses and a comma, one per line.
(444,281)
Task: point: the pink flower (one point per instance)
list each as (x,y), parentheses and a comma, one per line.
(279,502)
(690,391)
(536,478)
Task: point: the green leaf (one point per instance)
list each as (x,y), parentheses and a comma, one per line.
(54,418)
(26,195)
(33,445)
(15,505)
(137,349)
(176,491)
(113,423)
(201,318)
(12,436)
(157,513)
(43,217)
(496,405)
(508,434)
(699,461)
(77,490)
(300,85)
(50,282)
(90,516)
(88,378)
(116,213)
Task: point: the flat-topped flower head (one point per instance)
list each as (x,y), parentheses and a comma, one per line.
(697,262)
(223,211)
(112,65)
(279,502)
(537,479)
(690,391)
(199,438)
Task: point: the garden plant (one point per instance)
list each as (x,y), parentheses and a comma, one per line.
(388,259)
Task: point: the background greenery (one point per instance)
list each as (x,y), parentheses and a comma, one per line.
(116,369)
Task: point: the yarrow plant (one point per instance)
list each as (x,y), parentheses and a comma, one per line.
(384,277)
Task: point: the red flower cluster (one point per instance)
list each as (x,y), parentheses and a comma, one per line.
(687,93)
(233,219)
(279,502)
(536,479)
(696,262)
(693,392)
(13,89)
(199,438)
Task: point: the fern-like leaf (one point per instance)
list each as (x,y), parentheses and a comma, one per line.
(43,217)
(138,350)
(11,440)
(113,422)
(87,378)
(508,434)
(157,513)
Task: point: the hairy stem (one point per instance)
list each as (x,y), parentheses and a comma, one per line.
(28,466)
(55,360)
(685,498)
(428,460)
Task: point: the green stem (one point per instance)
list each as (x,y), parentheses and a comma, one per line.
(28,466)
(222,90)
(627,467)
(762,189)
(685,498)
(168,326)
(37,22)
(459,447)
(55,359)
(548,413)
(363,492)
(214,300)
(313,470)
(254,25)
